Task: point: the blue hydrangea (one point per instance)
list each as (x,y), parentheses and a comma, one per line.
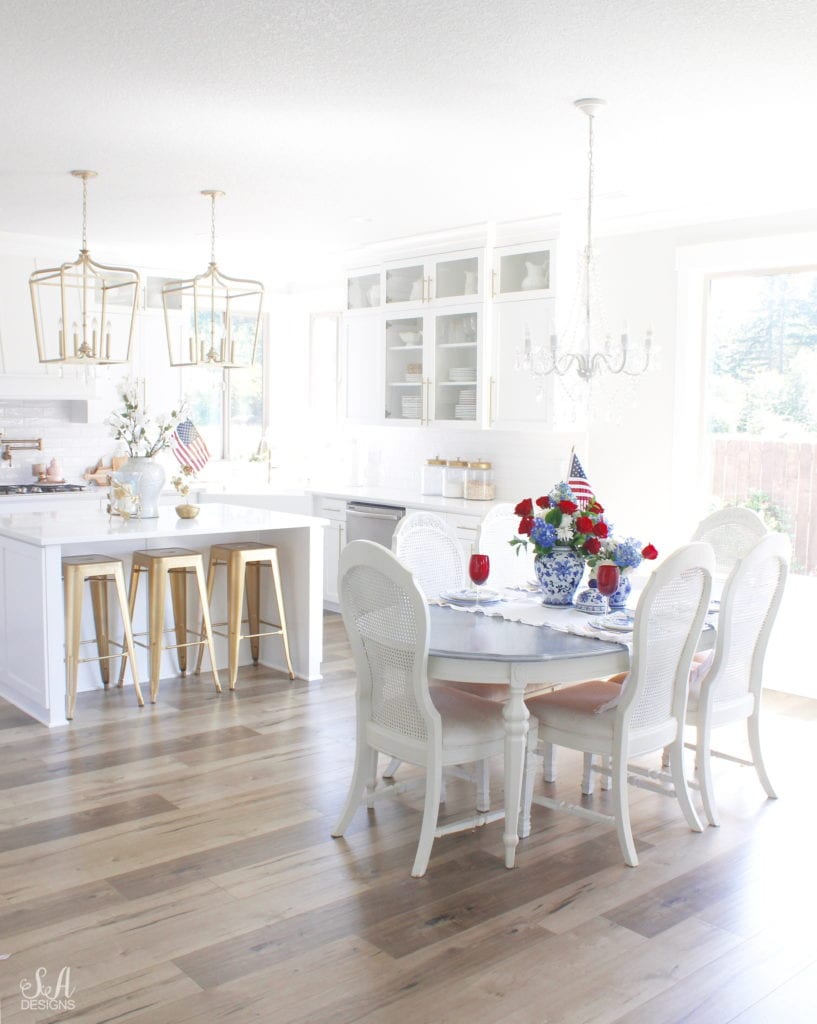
(543,534)
(561,492)
(627,553)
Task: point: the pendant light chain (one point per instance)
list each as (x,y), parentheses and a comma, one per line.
(213,227)
(84,213)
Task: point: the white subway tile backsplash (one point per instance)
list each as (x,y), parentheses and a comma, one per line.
(76,446)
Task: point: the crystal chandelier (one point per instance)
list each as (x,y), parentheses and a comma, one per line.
(212,320)
(84,312)
(578,349)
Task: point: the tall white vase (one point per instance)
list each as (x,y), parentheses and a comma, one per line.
(146,477)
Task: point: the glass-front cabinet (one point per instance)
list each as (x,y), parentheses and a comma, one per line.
(448,278)
(523,271)
(432,366)
(363,289)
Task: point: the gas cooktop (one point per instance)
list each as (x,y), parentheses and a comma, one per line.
(44,488)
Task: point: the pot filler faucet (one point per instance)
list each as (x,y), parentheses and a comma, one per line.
(11,445)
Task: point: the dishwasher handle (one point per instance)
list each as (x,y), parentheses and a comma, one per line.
(385,513)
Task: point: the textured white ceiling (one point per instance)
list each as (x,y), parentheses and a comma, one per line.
(330,124)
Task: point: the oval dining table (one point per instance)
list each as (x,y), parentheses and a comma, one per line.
(475,648)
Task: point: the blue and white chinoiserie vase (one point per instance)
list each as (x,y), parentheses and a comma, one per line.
(621,595)
(146,478)
(559,575)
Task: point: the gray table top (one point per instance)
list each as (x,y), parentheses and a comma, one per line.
(470,636)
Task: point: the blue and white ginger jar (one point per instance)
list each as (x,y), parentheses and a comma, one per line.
(559,575)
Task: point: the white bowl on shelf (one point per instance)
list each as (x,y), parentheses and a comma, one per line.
(410,337)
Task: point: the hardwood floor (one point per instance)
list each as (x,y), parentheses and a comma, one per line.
(177,859)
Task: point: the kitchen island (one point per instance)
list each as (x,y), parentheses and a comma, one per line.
(33,543)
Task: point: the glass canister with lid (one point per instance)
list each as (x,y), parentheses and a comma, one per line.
(432,476)
(479,481)
(454,478)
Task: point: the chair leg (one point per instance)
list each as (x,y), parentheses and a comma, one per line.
(676,763)
(483,773)
(621,810)
(703,759)
(606,780)
(549,766)
(753,730)
(587,774)
(392,767)
(178,598)
(282,619)
(132,587)
(253,588)
(365,765)
(211,579)
(235,602)
(73,622)
(431,810)
(99,602)
(127,640)
(201,588)
(528,779)
(156,624)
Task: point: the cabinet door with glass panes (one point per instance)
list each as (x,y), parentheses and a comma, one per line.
(523,271)
(445,279)
(363,289)
(433,366)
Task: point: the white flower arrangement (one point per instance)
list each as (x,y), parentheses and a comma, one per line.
(134,425)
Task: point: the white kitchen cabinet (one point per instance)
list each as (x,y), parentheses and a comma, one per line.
(362,368)
(523,271)
(334,540)
(465,527)
(441,279)
(363,289)
(513,399)
(433,366)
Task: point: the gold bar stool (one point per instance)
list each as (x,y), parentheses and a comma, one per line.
(99,571)
(244,560)
(173,564)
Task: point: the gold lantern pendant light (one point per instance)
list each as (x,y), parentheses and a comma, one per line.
(84,312)
(212,320)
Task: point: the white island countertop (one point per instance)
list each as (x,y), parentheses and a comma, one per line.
(73,525)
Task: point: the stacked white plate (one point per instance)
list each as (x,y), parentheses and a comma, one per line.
(466,407)
(414,378)
(462,374)
(412,407)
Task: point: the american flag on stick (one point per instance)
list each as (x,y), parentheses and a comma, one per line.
(578,482)
(189,447)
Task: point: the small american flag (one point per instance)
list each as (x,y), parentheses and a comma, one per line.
(578,482)
(189,447)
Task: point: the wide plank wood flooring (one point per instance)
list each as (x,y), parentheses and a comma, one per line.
(177,859)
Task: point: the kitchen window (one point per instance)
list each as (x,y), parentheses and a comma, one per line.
(227,406)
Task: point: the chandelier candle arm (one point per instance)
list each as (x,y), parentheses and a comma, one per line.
(577,351)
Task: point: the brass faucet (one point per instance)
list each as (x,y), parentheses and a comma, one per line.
(11,444)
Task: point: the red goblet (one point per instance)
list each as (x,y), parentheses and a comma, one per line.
(608,577)
(479,566)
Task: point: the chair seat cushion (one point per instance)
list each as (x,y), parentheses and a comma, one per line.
(576,708)
(466,718)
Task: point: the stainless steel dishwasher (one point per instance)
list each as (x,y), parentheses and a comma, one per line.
(365,521)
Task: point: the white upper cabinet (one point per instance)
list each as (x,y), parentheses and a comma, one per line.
(362,368)
(514,402)
(523,271)
(363,290)
(444,279)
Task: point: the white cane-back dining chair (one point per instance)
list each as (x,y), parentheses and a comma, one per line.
(386,618)
(731,532)
(429,549)
(510,566)
(730,689)
(645,714)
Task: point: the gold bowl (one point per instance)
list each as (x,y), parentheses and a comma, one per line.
(187,511)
